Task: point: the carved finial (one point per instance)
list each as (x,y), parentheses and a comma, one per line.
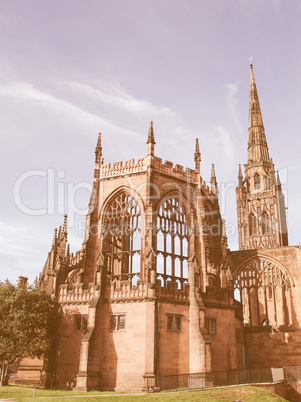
(98,148)
(213,171)
(197,154)
(151,138)
(251,61)
(240,176)
(68,250)
(213,180)
(65,224)
(239,171)
(224,239)
(223,227)
(54,238)
(278,182)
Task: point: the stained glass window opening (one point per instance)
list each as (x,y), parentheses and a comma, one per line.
(264,292)
(256,181)
(123,236)
(172,241)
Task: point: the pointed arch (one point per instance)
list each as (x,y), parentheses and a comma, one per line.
(172,238)
(265,223)
(121,220)
(252,224)
(256,181)
(264,287)
(267,182)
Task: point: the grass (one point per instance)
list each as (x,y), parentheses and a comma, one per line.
(246,394)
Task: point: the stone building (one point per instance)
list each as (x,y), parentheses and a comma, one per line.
(151,292)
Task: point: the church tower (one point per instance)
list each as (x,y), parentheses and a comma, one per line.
(260,201)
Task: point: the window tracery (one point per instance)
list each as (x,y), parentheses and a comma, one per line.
(123,237)
(265,224)
(172,242)
(264,290)
(267,183)
(256,181)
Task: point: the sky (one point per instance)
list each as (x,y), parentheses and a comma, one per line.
(70,69)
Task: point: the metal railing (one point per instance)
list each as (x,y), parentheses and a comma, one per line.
(225,378)
(184,381)
(247,376)
(292,372)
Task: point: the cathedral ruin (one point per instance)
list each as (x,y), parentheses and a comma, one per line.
(155,290)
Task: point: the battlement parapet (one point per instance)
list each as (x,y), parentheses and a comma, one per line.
(118,168)
(171,291)
(176,171)
(125,291)
(77,294)
(130,166)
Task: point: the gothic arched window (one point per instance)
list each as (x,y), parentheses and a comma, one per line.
(264,290)
(267,183)
(122,219)
(256,181)
(265,224)
(172,242)
(252,224)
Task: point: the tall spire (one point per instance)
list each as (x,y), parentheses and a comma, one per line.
(257,144)
(260,201)
(197,156)
(255,118)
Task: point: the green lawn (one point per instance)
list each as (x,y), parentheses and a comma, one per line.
(248,394)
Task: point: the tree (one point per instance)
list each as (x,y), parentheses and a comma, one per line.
(28,323)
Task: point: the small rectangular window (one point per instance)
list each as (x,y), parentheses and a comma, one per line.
(170,322)
(77,322)
(121,322)
(211,326)
(174,322)
(113,322)
(178,326)
(85,322)
(117,322)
